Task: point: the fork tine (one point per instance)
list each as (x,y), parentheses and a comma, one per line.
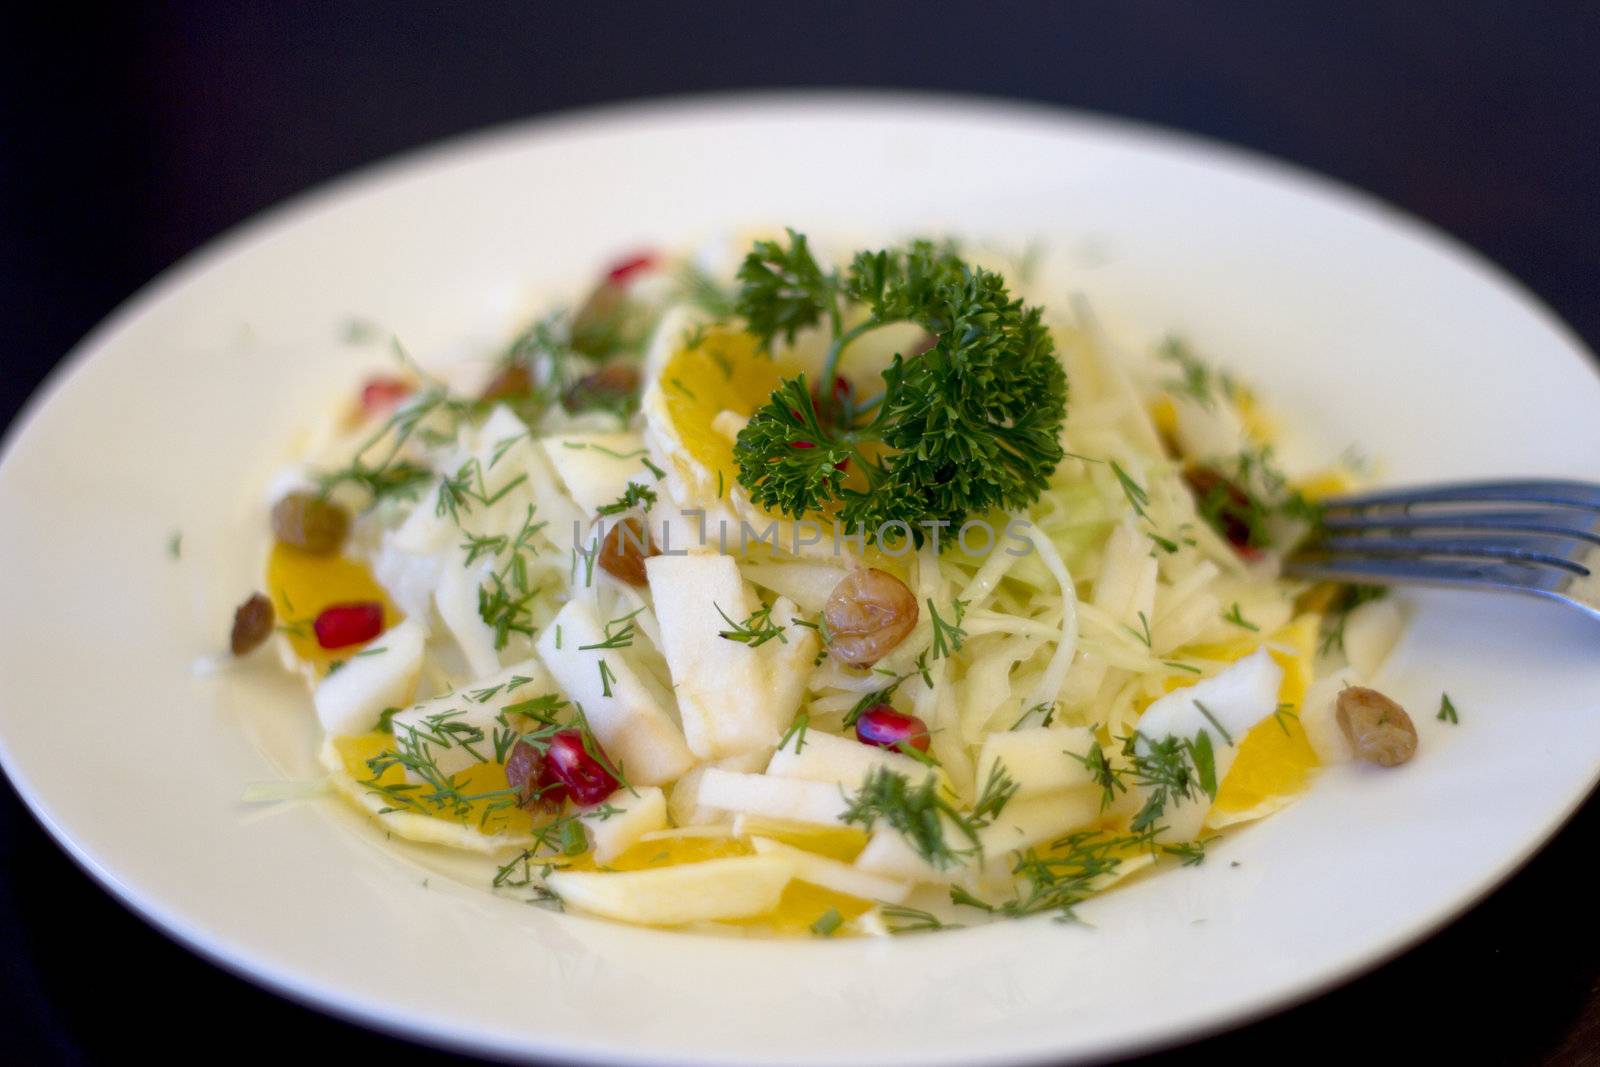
(1567,494)
(1520,577)
(1556,524)
(1531,550)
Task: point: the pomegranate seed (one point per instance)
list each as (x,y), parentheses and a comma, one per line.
(528,773)
(341,625)
(801,444)
(883,727)
(624,270)
(1226,506)
(379,395)
(570,764)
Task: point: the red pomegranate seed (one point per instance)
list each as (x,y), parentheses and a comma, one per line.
(623,270)
(801,444)
(379,395)
(883,727)
(341,625)
(570,764)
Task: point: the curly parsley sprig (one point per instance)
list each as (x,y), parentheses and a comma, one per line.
(970,425)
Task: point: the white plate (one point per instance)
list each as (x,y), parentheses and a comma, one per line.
(1363,325)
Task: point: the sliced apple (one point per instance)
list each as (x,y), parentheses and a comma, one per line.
(456,598)
(889,854)
(788,661)
(597,467)
(741,887)
(842,761)
(623,820)
(1319,716)
(1039,759)
(634,729)
(806,583)
(1370,634)
(773,798)
(1024,824)
(382,676)
(723,696)
(834,875)
(683,802)
(477,705)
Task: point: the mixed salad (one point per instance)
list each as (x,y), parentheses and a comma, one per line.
(806,597)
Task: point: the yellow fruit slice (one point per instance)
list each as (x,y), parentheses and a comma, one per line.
(480,826)
(802,904)
(722,372)
(716,890)
(842,843)
(301,585)
(1325,483)
(1275,761)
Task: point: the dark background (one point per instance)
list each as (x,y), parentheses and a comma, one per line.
(131,136)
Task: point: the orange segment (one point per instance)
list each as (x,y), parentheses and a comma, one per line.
(803,904)
(842,843)
(723,372)
(1275,760)
(480,779)
(301,585)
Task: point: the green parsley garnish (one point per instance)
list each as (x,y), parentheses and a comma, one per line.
(969,426)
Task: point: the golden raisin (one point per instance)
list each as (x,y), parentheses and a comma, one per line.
(310,523)
(868,613)
(252,624)
(626,547)
(1378,729)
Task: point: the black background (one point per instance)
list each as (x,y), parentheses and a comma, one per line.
(130,136)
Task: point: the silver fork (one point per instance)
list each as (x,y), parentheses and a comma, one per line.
(1536,537)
